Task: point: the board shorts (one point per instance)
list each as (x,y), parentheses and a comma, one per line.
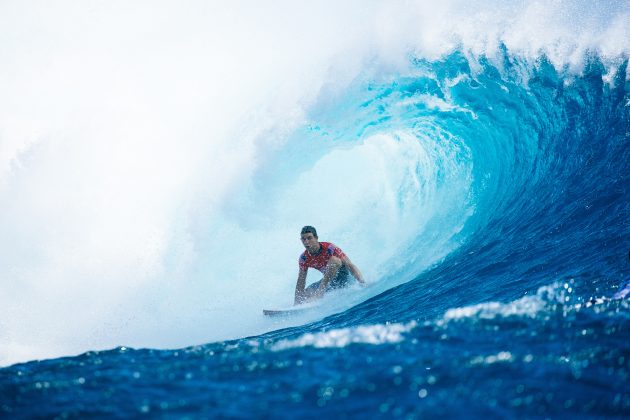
(341,280)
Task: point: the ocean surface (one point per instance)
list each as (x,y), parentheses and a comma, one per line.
(487,200)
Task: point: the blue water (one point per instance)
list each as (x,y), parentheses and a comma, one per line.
(514,317)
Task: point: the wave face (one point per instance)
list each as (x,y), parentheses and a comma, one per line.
(485,197)
(508,189)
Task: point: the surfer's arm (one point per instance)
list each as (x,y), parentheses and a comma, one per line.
(299,287)
(354,270)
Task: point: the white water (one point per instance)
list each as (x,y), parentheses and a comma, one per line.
(129,134)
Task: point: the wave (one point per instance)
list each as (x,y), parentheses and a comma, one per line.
(475,164)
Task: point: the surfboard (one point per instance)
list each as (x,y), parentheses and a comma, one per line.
(284,312)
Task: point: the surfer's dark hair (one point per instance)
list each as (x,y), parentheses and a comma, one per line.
(309,229)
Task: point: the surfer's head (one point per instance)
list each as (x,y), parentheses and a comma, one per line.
(309,229)
(308,236)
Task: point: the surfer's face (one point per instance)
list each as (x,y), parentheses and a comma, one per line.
(310,242)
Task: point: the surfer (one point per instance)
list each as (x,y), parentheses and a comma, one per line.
(329,260)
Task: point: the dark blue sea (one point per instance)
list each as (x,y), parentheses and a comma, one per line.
(521,314)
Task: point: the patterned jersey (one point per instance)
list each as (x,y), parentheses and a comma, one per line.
(320,260)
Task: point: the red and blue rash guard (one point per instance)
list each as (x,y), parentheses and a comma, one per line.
(320,260)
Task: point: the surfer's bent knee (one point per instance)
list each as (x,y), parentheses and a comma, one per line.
(334,262)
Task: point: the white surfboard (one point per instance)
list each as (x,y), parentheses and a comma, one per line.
(284,312)
(293,310)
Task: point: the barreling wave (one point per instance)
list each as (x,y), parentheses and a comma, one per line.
(475,151)
(517,165)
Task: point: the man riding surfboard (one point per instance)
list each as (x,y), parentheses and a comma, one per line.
(330,260)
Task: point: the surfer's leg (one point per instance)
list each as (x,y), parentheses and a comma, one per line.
(341,279)
(310,290)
